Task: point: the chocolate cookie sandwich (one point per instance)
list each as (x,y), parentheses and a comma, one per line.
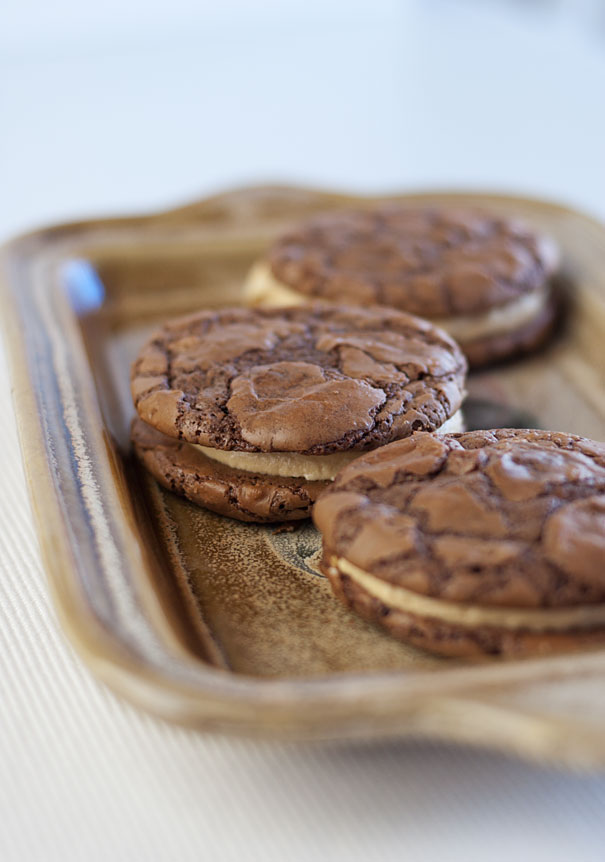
(486,542)
(483,278)
(252,412)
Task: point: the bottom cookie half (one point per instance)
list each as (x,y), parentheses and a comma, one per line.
(508,345)
(448,639)
(239,494)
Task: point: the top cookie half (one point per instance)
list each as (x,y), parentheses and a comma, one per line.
(504,518)
(312,379)
(476,274)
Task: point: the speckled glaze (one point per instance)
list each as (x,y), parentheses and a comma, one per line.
(229,626)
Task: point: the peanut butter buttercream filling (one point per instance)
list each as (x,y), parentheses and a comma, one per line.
(313,468)
(472,616)
(263,289)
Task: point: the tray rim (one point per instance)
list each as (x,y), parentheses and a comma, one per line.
(115,666)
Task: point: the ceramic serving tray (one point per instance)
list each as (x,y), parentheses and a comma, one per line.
(227,626)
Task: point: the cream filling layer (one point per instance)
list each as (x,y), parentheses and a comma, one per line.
(472,616)
(262,288)
(314,468)
(453,425)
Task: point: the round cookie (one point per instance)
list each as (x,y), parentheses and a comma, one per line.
(483,278)
(481,543)
(251,412)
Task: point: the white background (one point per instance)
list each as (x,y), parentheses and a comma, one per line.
(123,106)
(120,107)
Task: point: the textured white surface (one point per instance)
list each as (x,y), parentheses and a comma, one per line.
(119,107)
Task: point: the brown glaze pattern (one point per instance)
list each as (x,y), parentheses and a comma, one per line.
(503,518)
(239,494)
(315,380)
(424,260)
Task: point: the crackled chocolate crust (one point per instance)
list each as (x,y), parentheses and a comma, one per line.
(315,380)
(239,494)
(434,262)
(513,519)
(509,518)
(516,342)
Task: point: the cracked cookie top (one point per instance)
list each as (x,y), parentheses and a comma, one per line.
(312,379)
(435,262)
(508,518)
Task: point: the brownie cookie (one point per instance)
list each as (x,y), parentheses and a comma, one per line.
(252,412)
(486,542)
(483,278)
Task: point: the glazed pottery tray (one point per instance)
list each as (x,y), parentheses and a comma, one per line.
(228,626)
